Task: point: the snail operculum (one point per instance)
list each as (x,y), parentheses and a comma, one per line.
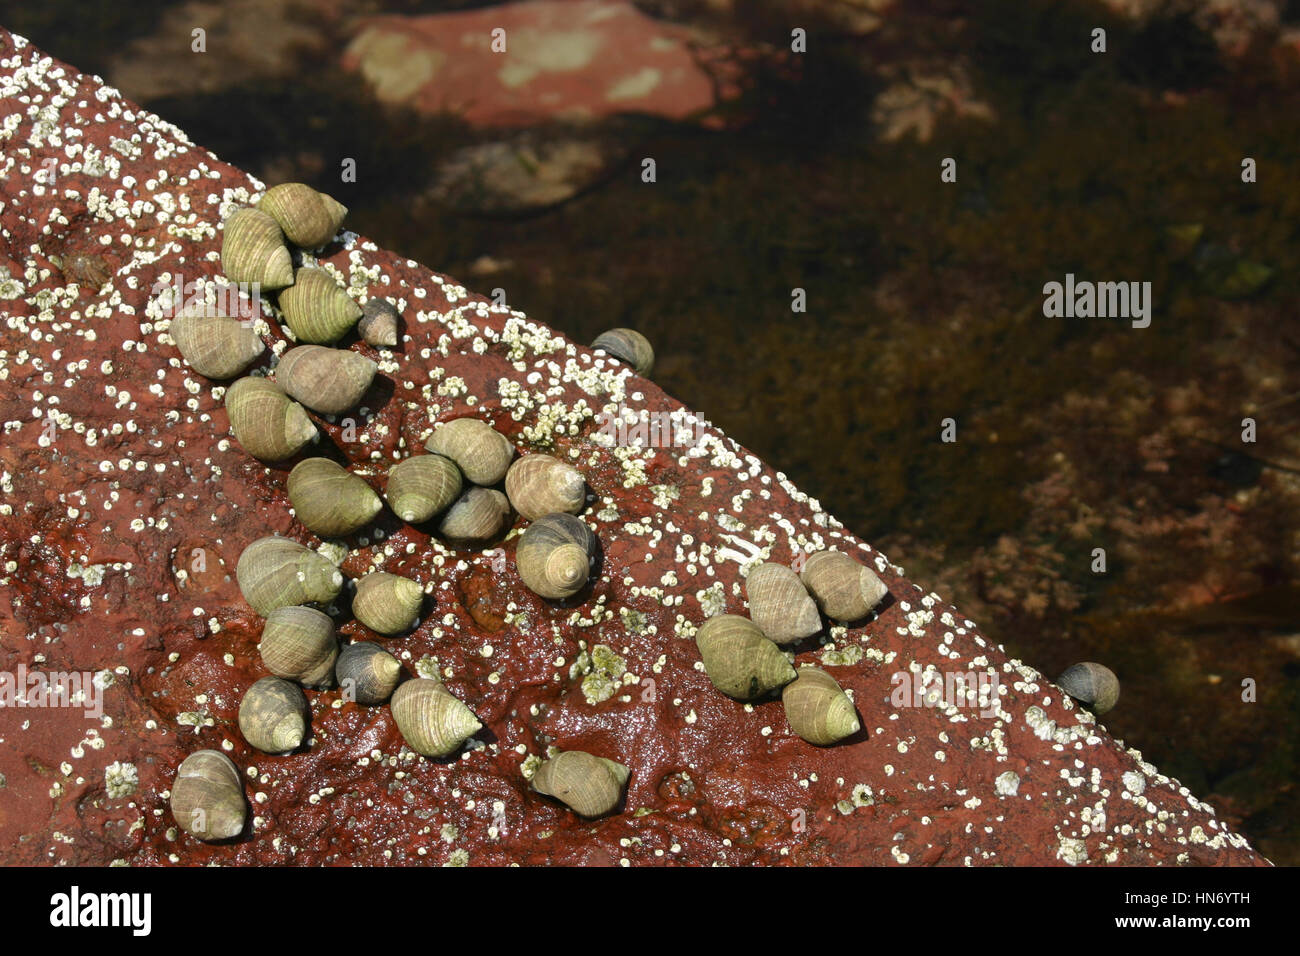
(591,786)
(555,555)
(274,716)
(207,796)
(739,660)
(432,720)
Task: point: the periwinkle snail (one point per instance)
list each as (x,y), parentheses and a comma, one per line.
(739,660)
(216,346)
(590,786)
(308,218)
(628,346)
(275,572)
(539,485)
(478,516)
(422,486)
(266,422)
(555,554)
(378,323)
(207,796)
(387,603)
(329,499)
(326,380)
(253,250)
(818,709)
(1092,684)
(780,604)
(844,590)
(432,720)
(298,644)
(273,716)
(367,673)
(317,308)
(481,452)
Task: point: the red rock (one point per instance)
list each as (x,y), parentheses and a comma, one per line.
(93,533)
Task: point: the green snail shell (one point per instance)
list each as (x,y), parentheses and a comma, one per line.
(540,485)
(308,218)
(422,486)
(555,555)
(207,796)
(628,346)
(298,644)
(326,380)
(329,499)
(274,716)
(590,786)
(481,452)
(215,346)
(432,721)
(818,709)
(844,590)
(265,421)
(739,660)
(275,572)
(1091,683)
(367,672)
(478,516)
(253,250)
(387,603)
(317,308)
(780,604)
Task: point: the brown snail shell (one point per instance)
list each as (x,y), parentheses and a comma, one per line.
(216,346)
(367,672)
(266,422)
(780,605)
(432,721)
(253,250)
(1092,684)
(818,709)
(207,798)
(843,589)
(317,308)
(540,485)
(378,323)
(298,644)
(479,515)
(739,660)
(481,452)
(590,786)
(387,603)
(628,346)
(274,715)
(422,486)
(326,380)
(308,218)
(329,499)
(555,555)
(275,572)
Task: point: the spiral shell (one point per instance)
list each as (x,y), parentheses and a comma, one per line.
(378,324)
(273,716)
(265,421)
(843,589)
(482,453)
(253,250)
(387,603)
(207,798)
(326,380)
(818,709)
(298,644)
(555,555)
(628,346)
(540,485)
(739,660)
(276,572)
(329,499)
(367,673)
(308,218)
(1091,683)
(432,721)
(780,605)
(317,309)
(216,346)
(590,786)
(479,515)
(422,486)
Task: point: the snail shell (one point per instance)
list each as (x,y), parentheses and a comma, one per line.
(329,499)
(628,346)
(378,323)
(555,555)
(739,660)
(317,308)
(422,486)
(387,603)
(208,796)
(780,605)
(481,452)
(478,516)
(309,218)
(298,643)
(540,485)
(818,709)
(253,250)
(273,716)
(276,572)
(432,721)
(216,346)
(326,380)
(591,786)
(266,422)
(1091,683)
(368,671)
(843,589)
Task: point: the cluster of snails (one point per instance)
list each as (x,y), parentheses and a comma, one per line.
(743,660)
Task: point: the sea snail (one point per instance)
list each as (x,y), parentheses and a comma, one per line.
(273,716)
(275,572)
(317,308)
(387,603)
(208,796)
(253,250)
(780,604)
(1093,684)
(298,644)
(478,516)
(367,673)
(378,323)
(329,499)
(555,555)
(629,346)
(326,380)
(739,660)
(818,709)
(215,346)
(266,422)
(422,486)
(843,589)
(590,786)
(432,721)
(481,452)
(540,485)
(308,218)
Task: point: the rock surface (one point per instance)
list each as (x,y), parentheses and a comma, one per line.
(125,507)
